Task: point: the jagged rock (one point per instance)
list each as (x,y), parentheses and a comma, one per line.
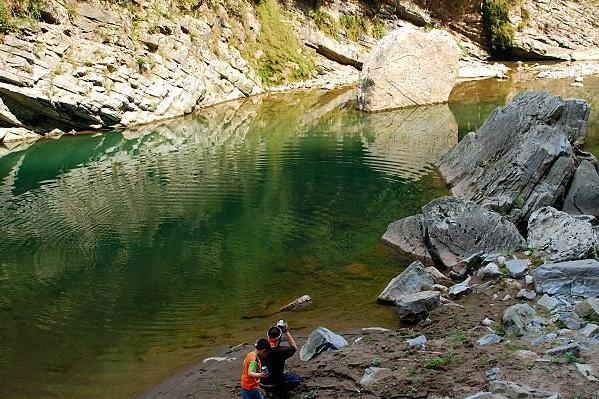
(466,266)
(528,279)
(589,330)
(588,309)
(570,320)
(583,196)
(343,53)
(573,349)
(517,268)
(519,319)
(457,229)
(512,390)
(548,302)
(587,371)
(579,277)
(320,340)
(526,294)
(409,67)
(408,236)
(14,136)
(412,280)
(7,117)
(437,275)
(299,304)
(560,237)
(373,374)
(493,374)
(458,290)
(489,272)
(416,307)
(521,158)
(489,339)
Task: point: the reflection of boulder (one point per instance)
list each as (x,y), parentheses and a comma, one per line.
(408,141)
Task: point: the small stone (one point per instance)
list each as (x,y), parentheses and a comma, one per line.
(573,349)
(527,253)
(526,295)
(487,322)
(577,84)
(548,302)
(501,260)
(490,271)
(372,374)
(493,374)
(528,279)
(516,268)
(507,297)
(578,79)
(440,288)
(489,339)
(418,341)
(590,330)
(416,307)
(526,355)
(461,289)
(570,320)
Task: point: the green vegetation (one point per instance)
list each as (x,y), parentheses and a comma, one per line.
(459,337)
(282,57)
(440,362)
(516,346)
(18,13)
(496,19)
(572,358)
(325,23)
(354,26)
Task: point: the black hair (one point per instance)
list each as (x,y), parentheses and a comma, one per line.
(262,344)
(274,332)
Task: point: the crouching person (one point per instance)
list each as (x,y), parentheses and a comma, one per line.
(252,371)
(278,383)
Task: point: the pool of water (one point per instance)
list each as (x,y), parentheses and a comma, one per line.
(128,255)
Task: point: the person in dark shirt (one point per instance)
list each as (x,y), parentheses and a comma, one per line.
(278,382)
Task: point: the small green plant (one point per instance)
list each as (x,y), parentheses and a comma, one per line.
(376,362)
(354,26)
(378,29)
(440,362)
(518,202)
(459,337)
(325,23)
(515,346)
(571,358)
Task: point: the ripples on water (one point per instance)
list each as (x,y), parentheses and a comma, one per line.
(128,255)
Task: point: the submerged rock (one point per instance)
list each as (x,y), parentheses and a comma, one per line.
(415,307)
(521,158)
(409,67)
(560,237)
(578,277)
(300,303)
(320,340)
(412,280)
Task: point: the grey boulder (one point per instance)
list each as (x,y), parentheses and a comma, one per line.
(516,268)
(415,307)
(458,290)
(519,319)
(489,339)
(578,277)
(489,272)
(320,340)
(412,280)
(560,237)
(512,390)
(583,196)
(407,235)
(521,158)
(588,309)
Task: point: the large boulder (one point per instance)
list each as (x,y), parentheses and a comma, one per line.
(583,196)
(560,237)
(412,280)
(457,229)
(320,340)
(453,230)
(578,277)
(521,158)
(415,307)
(407,235)
(409,67)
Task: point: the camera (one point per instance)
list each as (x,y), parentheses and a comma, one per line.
(282,326)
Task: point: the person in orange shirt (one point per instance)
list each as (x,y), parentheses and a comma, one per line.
(252,371)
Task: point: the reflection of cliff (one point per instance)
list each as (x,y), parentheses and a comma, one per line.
(407,142)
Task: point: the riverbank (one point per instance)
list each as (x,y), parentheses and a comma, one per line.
(450,364)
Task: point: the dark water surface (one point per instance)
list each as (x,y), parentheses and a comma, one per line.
(127,256)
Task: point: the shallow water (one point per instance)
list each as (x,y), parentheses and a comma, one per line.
(127,256)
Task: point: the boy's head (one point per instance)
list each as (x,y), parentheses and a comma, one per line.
(262,347)
(274,336)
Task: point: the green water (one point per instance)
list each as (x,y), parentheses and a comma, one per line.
(127,256)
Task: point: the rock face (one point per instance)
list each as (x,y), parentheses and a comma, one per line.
(583,196)
(579,277)
(542,33)
(412,280)
(521,158)
(452,230)
(415,307)
(409,67)
(343,53)
(320,340)
(560,237)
